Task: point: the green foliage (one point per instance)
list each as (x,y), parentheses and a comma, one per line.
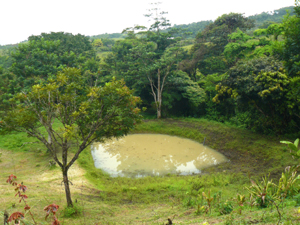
(87,113)
(262,192)
(240,46)
(264,19)
(192,29)
(210,43)
(225,208)
(43,56)
(78,44)
(70,212)
(292,43)
(208,198)
(97,43)
(293,147)
(297,199)
(268,193)
(190,89)
(259,86)
(147,60)
(5,59)
(287,182)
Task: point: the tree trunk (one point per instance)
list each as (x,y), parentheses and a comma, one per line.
(158,103)
(67,188)
(158,107)
(158,113)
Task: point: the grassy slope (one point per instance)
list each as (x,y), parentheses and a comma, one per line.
(150,200)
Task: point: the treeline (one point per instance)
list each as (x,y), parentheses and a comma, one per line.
(233,71)
(264,19)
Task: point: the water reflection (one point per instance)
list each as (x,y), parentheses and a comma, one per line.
(153,154)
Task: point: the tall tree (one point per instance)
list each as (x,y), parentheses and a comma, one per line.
(86,114)
(210,43)
(43,56)
(152,60)
(79,44)
(291,53)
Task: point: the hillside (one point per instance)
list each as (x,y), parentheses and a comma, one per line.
(262,20)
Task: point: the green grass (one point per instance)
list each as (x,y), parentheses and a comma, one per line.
(151,200)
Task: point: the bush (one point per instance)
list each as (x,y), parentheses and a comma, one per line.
(72,211)
(225,208)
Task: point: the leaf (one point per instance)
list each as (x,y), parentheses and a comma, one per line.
(27,207)
(15,216)
(293,147)
(253,182)
(11,179)
(286,142)
(51,208)
(296,143)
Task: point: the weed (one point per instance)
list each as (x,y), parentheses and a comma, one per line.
(72,211)
(16,217)
(240,200)
(262,192)
(225,208)
(208,199)
(297,199)
(229,219)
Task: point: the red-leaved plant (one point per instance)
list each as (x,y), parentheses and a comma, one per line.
(21,189)
(52,209)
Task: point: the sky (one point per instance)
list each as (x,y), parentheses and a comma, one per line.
(23,18)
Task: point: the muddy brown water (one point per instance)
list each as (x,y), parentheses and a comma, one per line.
(141,155)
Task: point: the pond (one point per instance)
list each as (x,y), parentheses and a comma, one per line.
(141,155)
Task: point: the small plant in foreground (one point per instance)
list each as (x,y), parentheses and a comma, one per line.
(240,201)
(225,208)
(208,199)
(293,147)
(286,185)
(71,211)
(16,217)
(52,209)
(262,192)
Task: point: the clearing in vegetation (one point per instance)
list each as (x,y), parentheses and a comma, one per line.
(217,196)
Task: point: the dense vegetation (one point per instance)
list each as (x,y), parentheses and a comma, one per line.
(239,71)
(193,70)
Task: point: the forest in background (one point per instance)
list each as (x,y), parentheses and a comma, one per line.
(236,69)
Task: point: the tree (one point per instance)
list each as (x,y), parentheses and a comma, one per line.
(79,44)
(260,86)
(86,114)
(210,43)
(148,62)
(156,71)
(291,51)
(97,43)
(44,55)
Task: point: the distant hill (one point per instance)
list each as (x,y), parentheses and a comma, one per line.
(6,47)
(193,28)
(264,19)
(107,36)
